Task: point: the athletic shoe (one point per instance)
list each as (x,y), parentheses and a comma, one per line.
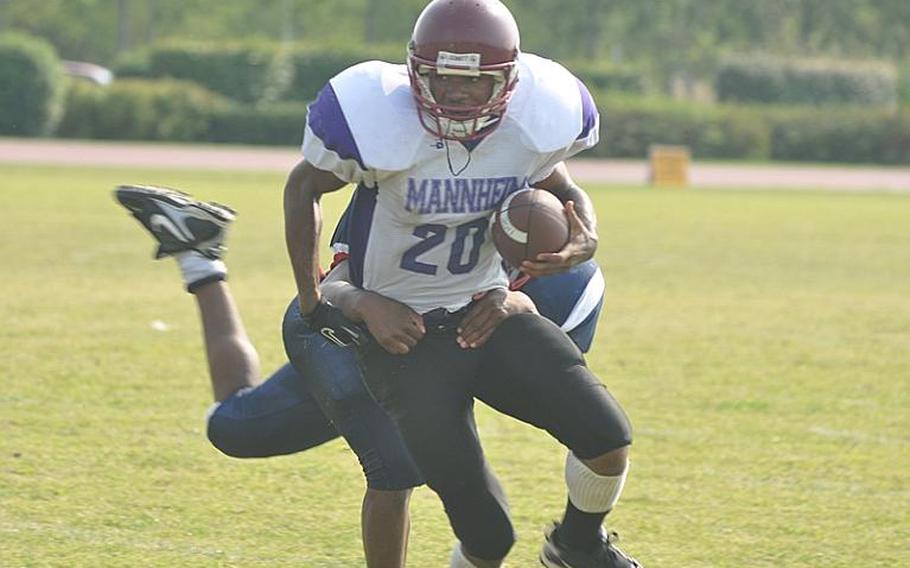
(606,555)
(177,221)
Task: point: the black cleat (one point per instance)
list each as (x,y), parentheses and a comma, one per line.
(177,221)
(606,555)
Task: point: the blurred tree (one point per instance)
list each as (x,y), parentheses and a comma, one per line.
(124,29)
(563,30)
(670,37)
(79,29)
(390,20)
(370,20)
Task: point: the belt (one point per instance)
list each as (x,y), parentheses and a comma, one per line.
(442,322)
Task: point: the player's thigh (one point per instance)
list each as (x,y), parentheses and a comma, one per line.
(278,416)
(334,377)
(426,392)
(532,371)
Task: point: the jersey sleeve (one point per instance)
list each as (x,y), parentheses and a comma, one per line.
(328,143)
(588,137)
(363,125)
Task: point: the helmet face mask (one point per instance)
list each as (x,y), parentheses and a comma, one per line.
(463,39)
(464,121)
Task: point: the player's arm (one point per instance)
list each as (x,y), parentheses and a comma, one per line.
(561,184)
(303,225)
(395,326)
(582,226)
(490,308)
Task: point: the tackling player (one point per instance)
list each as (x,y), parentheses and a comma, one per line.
(434,148)
(281,415)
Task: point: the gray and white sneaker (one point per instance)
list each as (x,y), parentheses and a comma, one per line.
(177,221)
(555,554)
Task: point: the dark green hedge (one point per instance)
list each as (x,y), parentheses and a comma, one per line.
(609,78)
(630,126)
(314,66)
(84,110)
(138,109)
(132,65)
(252,73)
(31,86)
(771,80)
(280,124)
(238,72)
(174,110)
(903,86)
(849,135)
(845,134)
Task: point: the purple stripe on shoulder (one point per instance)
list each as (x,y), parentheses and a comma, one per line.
(327,121)
(588,110)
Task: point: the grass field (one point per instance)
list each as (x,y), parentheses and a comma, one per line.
(760,342)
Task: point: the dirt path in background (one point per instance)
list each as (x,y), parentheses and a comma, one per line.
(251,158)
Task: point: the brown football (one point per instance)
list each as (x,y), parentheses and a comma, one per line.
(529,222)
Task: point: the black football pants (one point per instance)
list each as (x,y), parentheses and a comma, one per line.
(529,369)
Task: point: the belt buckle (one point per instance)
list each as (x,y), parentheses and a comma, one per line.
(442,320)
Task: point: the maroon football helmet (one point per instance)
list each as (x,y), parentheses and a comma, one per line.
(467,38)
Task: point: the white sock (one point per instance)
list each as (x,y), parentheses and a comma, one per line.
(458,558)
(590,492)
(198,270)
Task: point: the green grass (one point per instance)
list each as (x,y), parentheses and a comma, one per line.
(760,342)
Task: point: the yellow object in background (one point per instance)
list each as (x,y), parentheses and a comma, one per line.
(669,165)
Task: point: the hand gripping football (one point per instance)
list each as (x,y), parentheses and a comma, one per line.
(529,222)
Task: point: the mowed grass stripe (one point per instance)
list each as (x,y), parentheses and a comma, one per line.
(758,340)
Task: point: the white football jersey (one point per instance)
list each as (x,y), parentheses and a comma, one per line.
(419,222)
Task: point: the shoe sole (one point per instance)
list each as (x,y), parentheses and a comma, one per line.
(550,562)
(176,198)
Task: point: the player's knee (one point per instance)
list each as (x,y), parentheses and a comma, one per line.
(477,509)
(229,439)
(343,405)
(482,525)
(491,540)
(389,473)
(386,462)
(609,440)
(616,429)
(605,430)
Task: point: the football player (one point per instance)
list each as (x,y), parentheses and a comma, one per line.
(434,147)
(281,415)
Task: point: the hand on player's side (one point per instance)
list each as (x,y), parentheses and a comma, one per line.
(489,309)
(581,247)
(395,326)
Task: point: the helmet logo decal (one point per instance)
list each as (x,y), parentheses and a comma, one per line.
(448,63)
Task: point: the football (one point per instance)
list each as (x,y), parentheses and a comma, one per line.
(529,222)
